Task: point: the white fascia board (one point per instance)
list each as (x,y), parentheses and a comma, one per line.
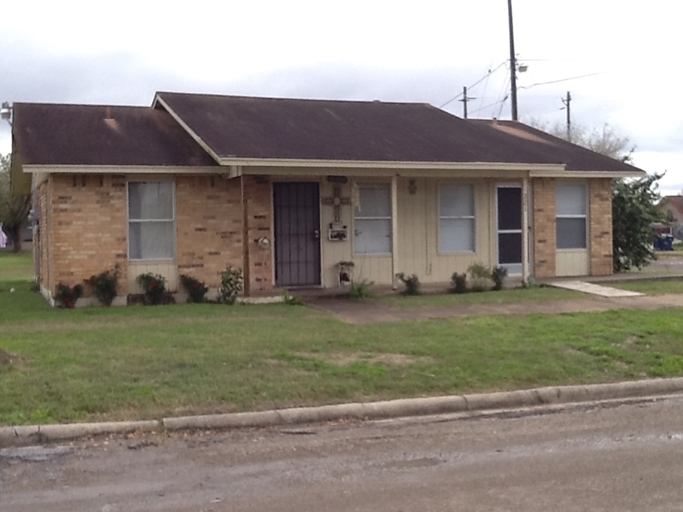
(587,174)
(393,165)
(185,127)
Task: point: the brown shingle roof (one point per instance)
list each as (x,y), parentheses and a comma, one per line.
(289,129)
(276,128)
(58,134)
(551,148)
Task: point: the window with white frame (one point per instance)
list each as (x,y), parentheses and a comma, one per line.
(151,222)
(571,216)
(456,218)
(372,220)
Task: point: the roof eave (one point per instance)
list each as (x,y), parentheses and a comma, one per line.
(375,164)
(586,174)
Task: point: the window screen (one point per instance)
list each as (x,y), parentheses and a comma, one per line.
(456,218)
(571,216)
(150,221)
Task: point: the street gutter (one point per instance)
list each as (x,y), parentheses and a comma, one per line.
(407,407)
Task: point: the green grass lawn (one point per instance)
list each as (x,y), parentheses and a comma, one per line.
(16,266)
(533,294)
(145,362)
(652,287)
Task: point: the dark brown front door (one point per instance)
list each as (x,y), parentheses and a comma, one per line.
(297,233)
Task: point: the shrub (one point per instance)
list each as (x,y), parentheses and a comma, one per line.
(196,289)
(153,287)
(411,283)
(359,289)
(459,283)
(105,285)
(498,275)
(480,276)
(231,285)
(66,296)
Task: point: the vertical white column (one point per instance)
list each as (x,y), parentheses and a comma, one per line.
(394,230)
(525,229)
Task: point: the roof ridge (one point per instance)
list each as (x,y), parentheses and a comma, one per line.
(304,100)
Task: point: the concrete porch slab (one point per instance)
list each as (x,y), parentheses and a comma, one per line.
(593,289)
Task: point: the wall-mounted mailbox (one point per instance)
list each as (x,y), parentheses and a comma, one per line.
(338,234)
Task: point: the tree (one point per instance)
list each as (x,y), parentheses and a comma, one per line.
(633,201)
(605,140)
(14,210)
(633,212)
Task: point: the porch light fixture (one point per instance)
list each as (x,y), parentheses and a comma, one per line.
(6,112)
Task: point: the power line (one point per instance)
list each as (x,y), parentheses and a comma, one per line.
(560,80)
(490,72)
(491,104)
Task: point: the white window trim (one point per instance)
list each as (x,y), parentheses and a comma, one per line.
(370,184)
(173,220)
(455,217)
(584,217)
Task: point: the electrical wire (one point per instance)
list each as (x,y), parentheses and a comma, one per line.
(490,72)
(558,81)
(491,105)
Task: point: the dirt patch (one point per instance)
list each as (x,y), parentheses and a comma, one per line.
(344,358)
(7,359)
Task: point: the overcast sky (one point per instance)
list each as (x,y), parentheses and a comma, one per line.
(421,51)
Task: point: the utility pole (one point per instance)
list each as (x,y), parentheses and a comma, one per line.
(513,64)
(567,103)
(464,100)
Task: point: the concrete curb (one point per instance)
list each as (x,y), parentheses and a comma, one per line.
(36,434)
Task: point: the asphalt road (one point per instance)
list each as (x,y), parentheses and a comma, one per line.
(599,458)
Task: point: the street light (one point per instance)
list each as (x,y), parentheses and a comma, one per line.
(6,112)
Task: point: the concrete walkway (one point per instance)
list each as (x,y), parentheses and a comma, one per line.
(593,289)
(373,311)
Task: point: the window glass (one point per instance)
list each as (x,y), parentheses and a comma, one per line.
(571,200)
(456,218)
(372,223)
(151,223)
(571,217)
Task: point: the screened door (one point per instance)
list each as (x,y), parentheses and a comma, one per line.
(297,233)
(509,227)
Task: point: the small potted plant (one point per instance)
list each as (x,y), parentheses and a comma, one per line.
(345,269)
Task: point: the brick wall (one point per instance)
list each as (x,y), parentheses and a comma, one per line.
(257,197)
(87,227)
(209,226)
(600,193)
(544,197)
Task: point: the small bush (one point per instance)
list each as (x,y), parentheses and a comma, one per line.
(480,276)
(359,289)
(459,283)
(196,289)
(105,285)
(411,283)
(153,287)
(232,280)
(498,275)
(66,296)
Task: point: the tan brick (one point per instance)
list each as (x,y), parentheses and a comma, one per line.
(600,193)
(544,242)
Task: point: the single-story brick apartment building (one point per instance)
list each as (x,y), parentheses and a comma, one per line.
(288,189)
